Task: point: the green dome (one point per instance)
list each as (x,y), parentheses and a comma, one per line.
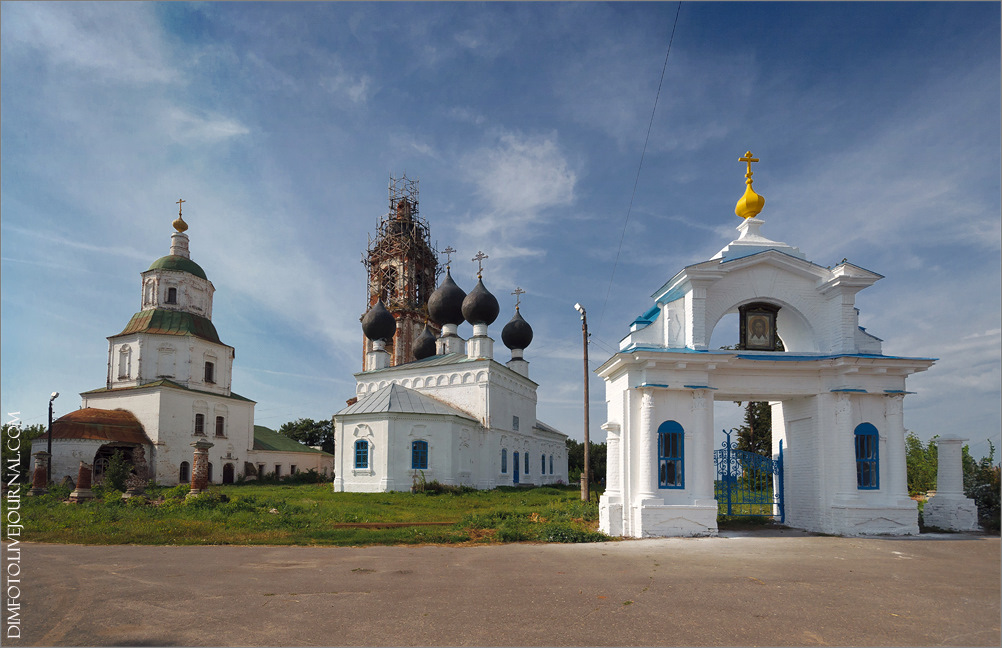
(175,262)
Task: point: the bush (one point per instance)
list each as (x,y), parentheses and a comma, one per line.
(177,492)
(982,484)
(117,472)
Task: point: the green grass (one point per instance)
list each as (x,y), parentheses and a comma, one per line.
(744,501)
(313,514)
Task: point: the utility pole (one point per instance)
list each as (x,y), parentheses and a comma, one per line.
(585,487)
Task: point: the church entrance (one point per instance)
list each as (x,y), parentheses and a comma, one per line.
(228,473)
(514,478)
(747,483)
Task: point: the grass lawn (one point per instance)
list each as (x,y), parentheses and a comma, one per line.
(312,514)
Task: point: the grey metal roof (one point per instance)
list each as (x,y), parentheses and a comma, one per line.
(431,361)
(401,400)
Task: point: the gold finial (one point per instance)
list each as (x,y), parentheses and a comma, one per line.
(179,223)
(751,203)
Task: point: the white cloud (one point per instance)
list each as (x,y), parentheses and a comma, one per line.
(184,126)
(521,176)
(118,42)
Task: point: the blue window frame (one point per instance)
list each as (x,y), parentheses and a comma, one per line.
(419,455)
(361,453)
(504,460)
(867,458)
(542,469)
(671,455)
(526,463)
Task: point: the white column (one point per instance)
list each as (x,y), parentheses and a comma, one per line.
(646,455)
(612,475)
(950,471)
(845,449)
(702,456)
(897,462)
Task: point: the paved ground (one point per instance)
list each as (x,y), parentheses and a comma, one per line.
(778,588)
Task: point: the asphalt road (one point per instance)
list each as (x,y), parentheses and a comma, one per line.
(780,588)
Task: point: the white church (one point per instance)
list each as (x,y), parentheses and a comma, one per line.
(837,401)
(168,386)
(433,407)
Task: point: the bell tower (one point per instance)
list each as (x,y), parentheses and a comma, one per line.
(402,267)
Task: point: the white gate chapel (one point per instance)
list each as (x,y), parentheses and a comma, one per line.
(836,400)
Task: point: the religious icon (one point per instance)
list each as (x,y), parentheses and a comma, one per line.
(759,329)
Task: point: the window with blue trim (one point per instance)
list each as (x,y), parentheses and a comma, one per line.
(867,459)
(419,455)
(504,460)
(671,455)
(542,469)
(361,453)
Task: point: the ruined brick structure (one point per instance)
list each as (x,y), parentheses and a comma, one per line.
(402,268)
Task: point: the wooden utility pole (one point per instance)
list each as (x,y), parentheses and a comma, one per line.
(585,487)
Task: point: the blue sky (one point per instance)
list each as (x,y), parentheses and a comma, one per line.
(877,126)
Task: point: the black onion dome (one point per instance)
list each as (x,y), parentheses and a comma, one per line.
(516,334)
(480,306)
(424,345)
(378,323)
(445,306)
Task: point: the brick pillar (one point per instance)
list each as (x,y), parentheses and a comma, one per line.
(83,491)
(40,478)
(200,467)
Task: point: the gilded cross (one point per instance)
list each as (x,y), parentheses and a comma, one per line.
(449,251)
(748,159)
(518,296)
(179,206)
(480,262)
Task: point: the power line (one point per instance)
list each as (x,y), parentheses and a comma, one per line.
(650,125)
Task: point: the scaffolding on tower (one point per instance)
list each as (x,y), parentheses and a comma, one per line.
(402,245)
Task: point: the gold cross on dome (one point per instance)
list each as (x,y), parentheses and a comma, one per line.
(449,251)
(182,200)
(518,296)
(748,159)
(480,262)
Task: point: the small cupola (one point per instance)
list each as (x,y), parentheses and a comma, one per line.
(379,326)
(424,345)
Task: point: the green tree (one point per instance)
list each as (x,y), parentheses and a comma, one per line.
(596,460)
(922,464)
(983,484)
(755,435)
(311,433)
(17,446)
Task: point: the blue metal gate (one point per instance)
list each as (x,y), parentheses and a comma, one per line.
(748,483)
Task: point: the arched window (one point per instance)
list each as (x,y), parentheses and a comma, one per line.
(185,474)
(671,455)
(209,473)
(504,460)
(361,453)
(542,469)
(210,372)
(526,463)
(867,459)
(172,295)
(124,362)
(220,426)
(551,464)
(419,455)
(200,424)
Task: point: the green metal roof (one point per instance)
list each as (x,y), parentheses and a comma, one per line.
(268,439)
(164,382)
(175,262)
(169,322)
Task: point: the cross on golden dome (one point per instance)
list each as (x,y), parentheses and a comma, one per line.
(179,223)
(750,203)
